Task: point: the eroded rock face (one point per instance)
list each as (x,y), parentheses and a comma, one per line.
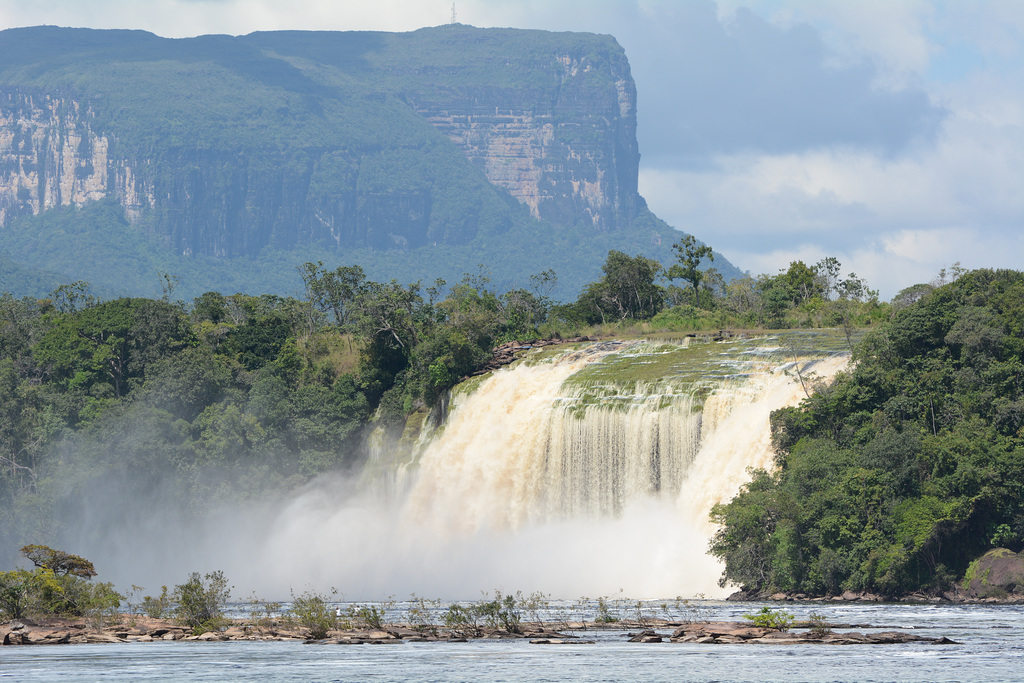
(571,156)
(997,574)
(216,202)
(50,156)
(417,147)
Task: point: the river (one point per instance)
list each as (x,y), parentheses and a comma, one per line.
(990,637)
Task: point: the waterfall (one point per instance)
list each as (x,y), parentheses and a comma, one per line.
(574,473)
(532,447)
(527,447)
(489,467)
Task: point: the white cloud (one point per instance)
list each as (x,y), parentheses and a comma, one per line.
(994,27)
(889,33)
(896,221)
(182,18)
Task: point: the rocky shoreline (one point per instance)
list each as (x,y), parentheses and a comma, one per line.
(146,630)
(995,578)
(505,354)
(955,597)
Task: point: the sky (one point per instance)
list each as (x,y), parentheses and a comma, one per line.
(886,133)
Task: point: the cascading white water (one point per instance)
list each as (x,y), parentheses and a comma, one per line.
(737,437)
(490,466)
(523,448)
(530,448)
(601,456)
(558,476)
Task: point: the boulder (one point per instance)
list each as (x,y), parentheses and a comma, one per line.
(29,636)
(212,636)
(944,641)
(889,637)
(380,635)
(997,574)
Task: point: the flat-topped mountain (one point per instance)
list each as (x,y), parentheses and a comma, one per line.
(420,154)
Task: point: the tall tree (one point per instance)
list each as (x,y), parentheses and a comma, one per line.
(628,288)
(690,255)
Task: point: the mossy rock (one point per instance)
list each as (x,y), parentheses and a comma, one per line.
(997,573)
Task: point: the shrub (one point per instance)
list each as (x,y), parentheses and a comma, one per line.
(102,604)
(200,604)
(64,594)
(501,612)
(604,612)
(16,592)
(131,605)
(262,614)
(692,612)
(817,625)
(533,605)
(772,620)
(420,614)
(462,621)
(642,612)
(159,607)
(312,611)
(40,590)
(371,616)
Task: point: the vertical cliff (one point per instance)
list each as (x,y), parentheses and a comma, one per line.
(548,117)
(226,147)
(49,154)
(565,148)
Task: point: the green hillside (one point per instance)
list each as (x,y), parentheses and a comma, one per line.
(228,161)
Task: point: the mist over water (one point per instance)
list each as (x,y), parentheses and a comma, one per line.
(534,483)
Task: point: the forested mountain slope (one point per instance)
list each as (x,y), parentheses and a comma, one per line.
(416,155)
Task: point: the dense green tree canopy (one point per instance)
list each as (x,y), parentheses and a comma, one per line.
(233,397)
(901,472)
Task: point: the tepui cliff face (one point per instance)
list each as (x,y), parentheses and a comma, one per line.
(49,155)
(224,146)
(574,161)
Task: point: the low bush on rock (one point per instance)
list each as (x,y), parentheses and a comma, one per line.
(60,585)
(200,604)
(313,611)
(771,619)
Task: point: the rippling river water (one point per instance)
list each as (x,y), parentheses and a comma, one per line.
(991,649)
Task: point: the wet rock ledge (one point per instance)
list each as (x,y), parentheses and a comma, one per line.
(144,630)
(736,632)
(505,354)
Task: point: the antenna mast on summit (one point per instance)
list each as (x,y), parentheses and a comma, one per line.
(454,20)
